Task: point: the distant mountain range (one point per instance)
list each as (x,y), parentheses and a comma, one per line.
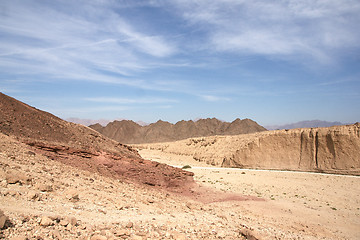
(305,124)
(127,131)
(103,122)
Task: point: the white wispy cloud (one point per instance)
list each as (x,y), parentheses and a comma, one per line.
(346,80)
(84,111)
(314,29)
(94,44)
(58,40)
(213,98)
(130,100)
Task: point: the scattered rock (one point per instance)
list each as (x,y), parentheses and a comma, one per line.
(179,236)
(56,235)
(122,232)
(31,153)
(46,221)
(4,220)
(2,174)
(12,193)
(102,211)
(98,237)
(16,177)
(55,218)
(64,222)
(25,219)
(71,220)
(32,195)
(72,195)
(248,234)
(129,225)
(137,237)
(44,187)
(19,238)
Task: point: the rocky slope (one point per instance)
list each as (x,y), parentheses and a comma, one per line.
(334,149)
(126,131)
(84,148)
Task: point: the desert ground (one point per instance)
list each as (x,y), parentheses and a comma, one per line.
(45,199)
(317,205)
(60,180)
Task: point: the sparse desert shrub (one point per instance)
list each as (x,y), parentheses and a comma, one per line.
(186,167)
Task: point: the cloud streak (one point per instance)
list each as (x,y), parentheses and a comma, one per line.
(130,100)
(213,98)
(315,29)
(44,40)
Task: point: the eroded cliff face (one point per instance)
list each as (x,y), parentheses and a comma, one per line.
(334,149)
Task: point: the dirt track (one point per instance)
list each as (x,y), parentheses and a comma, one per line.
(324,204)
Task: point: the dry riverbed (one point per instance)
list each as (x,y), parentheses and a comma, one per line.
(324,204)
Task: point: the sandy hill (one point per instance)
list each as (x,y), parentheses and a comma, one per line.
(126,131)
(333,149)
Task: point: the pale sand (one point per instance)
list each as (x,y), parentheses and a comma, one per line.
(294,200)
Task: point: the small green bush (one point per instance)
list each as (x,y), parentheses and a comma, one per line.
(186,167)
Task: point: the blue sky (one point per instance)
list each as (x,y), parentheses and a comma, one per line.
(275,62)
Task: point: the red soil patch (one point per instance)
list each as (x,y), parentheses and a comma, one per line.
(136,170)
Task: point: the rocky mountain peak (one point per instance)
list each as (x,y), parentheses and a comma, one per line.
(163,131)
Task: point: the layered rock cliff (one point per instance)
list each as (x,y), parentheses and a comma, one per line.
(333,150)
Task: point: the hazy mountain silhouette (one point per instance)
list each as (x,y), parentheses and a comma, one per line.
(305,124)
